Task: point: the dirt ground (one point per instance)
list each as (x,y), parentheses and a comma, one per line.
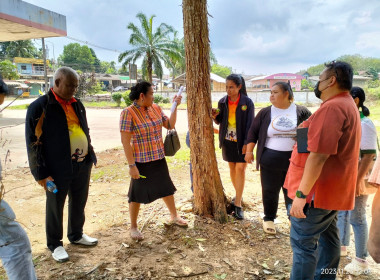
(205,250)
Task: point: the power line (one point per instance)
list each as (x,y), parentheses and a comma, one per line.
(91,44)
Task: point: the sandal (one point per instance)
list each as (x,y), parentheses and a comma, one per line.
(136,234)
(178,221)
(269,227)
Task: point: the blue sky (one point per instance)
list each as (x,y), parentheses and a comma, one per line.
(252,37)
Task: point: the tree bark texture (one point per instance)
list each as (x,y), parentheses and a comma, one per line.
(209,198)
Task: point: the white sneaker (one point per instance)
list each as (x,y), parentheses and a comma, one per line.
(86,240)
(60,254)
(356,267)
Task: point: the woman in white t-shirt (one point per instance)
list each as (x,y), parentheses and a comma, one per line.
(274,131)
(357,217)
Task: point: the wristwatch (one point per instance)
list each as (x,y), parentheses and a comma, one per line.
(300,194)
(131,165)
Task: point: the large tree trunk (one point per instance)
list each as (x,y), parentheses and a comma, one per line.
(150,69)
(209,198)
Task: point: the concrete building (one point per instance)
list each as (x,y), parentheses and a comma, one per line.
(217,83)
(31,71)
(266,82)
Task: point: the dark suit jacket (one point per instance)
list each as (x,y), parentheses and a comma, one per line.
(53,156)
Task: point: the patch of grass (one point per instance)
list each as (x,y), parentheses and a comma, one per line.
(374,109)
(97,174)
(19,107)
(101,104)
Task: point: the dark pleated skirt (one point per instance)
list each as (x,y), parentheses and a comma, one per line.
(157,183)
(230,152)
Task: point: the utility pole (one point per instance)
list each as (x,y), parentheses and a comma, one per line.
(45,70)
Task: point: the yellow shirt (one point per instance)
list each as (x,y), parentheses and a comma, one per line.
(78,139)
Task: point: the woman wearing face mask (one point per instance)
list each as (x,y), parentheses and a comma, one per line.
(234,115)
(141,134)
(274,130)
(357,217)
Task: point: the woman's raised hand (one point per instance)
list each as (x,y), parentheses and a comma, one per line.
(177,99)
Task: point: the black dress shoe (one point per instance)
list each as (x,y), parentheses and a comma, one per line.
(238,213)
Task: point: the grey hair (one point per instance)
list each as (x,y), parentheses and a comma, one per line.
(65,71)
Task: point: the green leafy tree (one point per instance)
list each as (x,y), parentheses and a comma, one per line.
(108,67)
(8,70)
(316,70)
(123,71)
(104,65)
(112,68)
(96,61)
(77,57)
(222,71)
(358,63)
(306,84)
(374,73)
(178,66)
(23,48)
(153,46)
(3,48)
(96,88)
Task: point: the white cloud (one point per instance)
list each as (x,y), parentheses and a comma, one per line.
(363,18)
(369,40)
(260,46)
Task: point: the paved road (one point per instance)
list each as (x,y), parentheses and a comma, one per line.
(104,131)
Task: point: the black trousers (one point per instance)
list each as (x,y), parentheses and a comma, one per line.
(76,188)
(273,168)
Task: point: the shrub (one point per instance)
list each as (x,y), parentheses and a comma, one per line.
(95,89)
(127,101)
(166,100)
(158,99)
(117,98)
(374,93)
(374,84)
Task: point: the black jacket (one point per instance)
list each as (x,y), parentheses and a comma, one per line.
(259,128)
(245,113)
(53,156)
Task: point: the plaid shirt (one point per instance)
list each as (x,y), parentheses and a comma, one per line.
(145,124)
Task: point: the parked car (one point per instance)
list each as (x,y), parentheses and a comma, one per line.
(120,88)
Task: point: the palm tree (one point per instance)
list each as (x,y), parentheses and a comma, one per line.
(21,48)
(179,63)
(153,47)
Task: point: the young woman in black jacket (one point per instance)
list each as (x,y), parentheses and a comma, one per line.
(274,129)
(234,115)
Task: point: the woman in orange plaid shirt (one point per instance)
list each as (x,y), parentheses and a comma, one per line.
(141,134)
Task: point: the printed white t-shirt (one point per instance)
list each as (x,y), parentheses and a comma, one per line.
(368,142)
(282,128)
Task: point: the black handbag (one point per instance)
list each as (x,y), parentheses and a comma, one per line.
(171,143)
